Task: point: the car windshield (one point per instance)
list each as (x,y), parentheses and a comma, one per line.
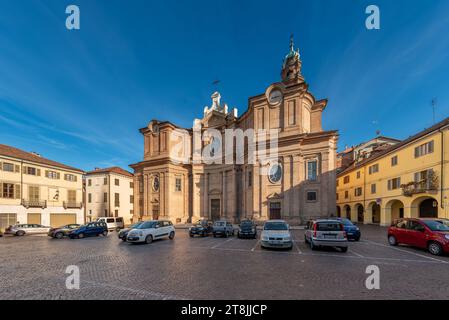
(135,225)
(346,222)
(275,226)
(147,225)
(246,224)
(328,226)
(436,225)
(220,223)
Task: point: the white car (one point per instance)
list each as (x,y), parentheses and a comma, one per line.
(113,223)
(151,230)
(23,229)
(276,234)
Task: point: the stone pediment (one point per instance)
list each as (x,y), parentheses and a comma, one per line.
(275,195)
(215,192)
(214,119)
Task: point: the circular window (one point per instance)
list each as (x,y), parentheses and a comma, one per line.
(275,173)
(156,183)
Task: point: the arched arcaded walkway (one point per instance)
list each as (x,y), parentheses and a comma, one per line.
(360,213)
(394,209)
(424,207)
(372,213)
(347,211)
(338,211)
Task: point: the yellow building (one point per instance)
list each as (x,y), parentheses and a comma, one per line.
(36,190)
(409,179)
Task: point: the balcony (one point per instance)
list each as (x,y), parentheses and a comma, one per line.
(72,205)
(427,185)
(34,204)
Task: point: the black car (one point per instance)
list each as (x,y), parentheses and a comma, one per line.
(124,232)
(247,229)
(63,231)
(202,228)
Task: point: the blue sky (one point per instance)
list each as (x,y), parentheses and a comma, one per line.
(79,97)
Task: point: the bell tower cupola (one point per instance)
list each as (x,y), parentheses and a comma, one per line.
(291,67)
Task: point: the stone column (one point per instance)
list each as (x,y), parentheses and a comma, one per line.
(145,195)
(185,194)
(196,197)
(286,186)
(205,193)
(224,206)
(297,175)
(256,191)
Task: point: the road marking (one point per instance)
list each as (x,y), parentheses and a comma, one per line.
(296,245)
(254,248)
(406,251)
(357,254)
(219,244)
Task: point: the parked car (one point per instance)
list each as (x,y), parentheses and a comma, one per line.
(113,223)
(91,229)
(430,234)
(151,230)
(63,231)
(326,233)
(124,233)
(276,234)
(352,231)
(222,228)
(1,233)
(247,229)
(202,228)
(23,229)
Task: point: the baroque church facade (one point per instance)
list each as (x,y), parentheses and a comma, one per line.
(298,185)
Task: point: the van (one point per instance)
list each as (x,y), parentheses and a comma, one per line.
(113,223)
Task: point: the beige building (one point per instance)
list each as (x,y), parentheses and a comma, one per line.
(37,190)
(297,184)
(109,193)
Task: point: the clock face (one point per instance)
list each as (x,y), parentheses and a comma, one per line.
(156,184)
(275,97)
(275,173)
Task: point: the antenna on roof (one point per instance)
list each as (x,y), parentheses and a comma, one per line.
(434,103)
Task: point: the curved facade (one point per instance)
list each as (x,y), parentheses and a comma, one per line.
(296,182)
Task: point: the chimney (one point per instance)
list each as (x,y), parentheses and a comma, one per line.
(36,154)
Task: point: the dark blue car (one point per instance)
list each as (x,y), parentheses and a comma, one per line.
(352,231)
(92,229)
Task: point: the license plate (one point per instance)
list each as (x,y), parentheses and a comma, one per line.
(329,236)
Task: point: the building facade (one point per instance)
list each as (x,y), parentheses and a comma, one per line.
(408,179)
(36,190)
(109,193)
(297,183)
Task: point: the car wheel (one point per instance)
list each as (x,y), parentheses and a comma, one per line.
(233,232)
(435,248)
(104,233)
(225,234)
(124,239)
(392,240)
(357,239)
(59,235)
(81,235)
(172,235)
(149,239)
(215,235)
(20,233)
(203,234)
(117,229)
(191,235)
(344,249)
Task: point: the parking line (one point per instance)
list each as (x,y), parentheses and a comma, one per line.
(357,254)
(406,251)
(217,245)
(296,245)
(254,248)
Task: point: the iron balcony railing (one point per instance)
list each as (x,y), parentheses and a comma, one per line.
(72,205)
(34,204)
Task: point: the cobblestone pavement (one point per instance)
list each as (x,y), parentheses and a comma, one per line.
(33,267)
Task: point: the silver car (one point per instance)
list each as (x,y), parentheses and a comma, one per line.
(23,229)
(326,233)
(276,234)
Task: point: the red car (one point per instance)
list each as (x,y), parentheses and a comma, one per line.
(430,234)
